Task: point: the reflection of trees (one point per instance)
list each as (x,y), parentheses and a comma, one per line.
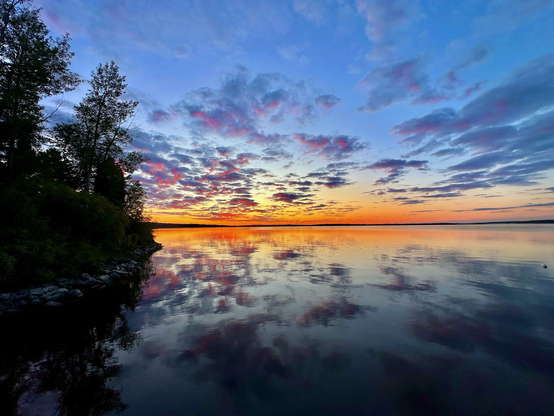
(69,353)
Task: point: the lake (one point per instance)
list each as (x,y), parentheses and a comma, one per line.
(433,320)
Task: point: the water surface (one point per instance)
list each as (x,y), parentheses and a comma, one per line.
(354,320)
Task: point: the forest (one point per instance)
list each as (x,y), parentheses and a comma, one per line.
(68,202)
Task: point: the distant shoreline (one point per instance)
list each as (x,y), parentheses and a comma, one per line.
(170,225)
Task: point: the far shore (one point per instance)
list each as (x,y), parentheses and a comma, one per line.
(158,225)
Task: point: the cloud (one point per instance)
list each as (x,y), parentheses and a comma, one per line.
(527,90)
(413,202)
(291,197)
(294,53)
(117,26)
(452,187)
(327,100)
(548,204)
(445,195)
(395,168)
(405,79)
(311,10)
(508,129)
(385,19)
(330,147)
(242,105)
(505,15)
(399,80)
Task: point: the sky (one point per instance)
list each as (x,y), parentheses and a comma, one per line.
(329,111)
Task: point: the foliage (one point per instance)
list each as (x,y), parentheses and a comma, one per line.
(101,128)
(33,66)
(50,230)
(71,206)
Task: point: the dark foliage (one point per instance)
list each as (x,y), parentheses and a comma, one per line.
(69,207)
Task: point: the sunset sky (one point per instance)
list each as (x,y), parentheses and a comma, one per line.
(330,111)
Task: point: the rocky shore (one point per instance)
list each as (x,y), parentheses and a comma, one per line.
(55,295)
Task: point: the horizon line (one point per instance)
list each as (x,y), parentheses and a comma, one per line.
(192,225)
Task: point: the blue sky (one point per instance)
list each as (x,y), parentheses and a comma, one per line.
(306,111)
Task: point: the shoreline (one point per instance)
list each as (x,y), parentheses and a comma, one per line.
(159,226)
(55,295)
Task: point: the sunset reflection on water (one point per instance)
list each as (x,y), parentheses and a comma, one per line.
(413,320)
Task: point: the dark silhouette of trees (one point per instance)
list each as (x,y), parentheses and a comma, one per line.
(67,199)
(33,65)
(101,128)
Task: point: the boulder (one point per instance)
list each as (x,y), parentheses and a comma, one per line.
(36,302)
(55,296)
(50,289)
(39,291)
(7,304)
(108,280)
(52,304)
(74,294)
(22,304)
(5,296)
(19,295)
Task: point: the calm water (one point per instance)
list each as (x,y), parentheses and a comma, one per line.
(368,320)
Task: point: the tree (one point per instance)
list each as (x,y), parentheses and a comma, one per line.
(101,128)
(33,65)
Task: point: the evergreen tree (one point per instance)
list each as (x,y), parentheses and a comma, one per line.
(33,66)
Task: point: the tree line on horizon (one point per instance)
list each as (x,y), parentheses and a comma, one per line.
(68,201)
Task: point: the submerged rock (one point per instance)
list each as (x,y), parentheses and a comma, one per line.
(36,302)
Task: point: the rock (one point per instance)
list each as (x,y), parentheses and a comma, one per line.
(52,304)
(36,302)
(86,276)
(7,304)
(5,296)
(39,291)
(108,280)
(19,295)
(50,289)
(86,283)
(22,304)
(74,294)
(121,272)
(55,296)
